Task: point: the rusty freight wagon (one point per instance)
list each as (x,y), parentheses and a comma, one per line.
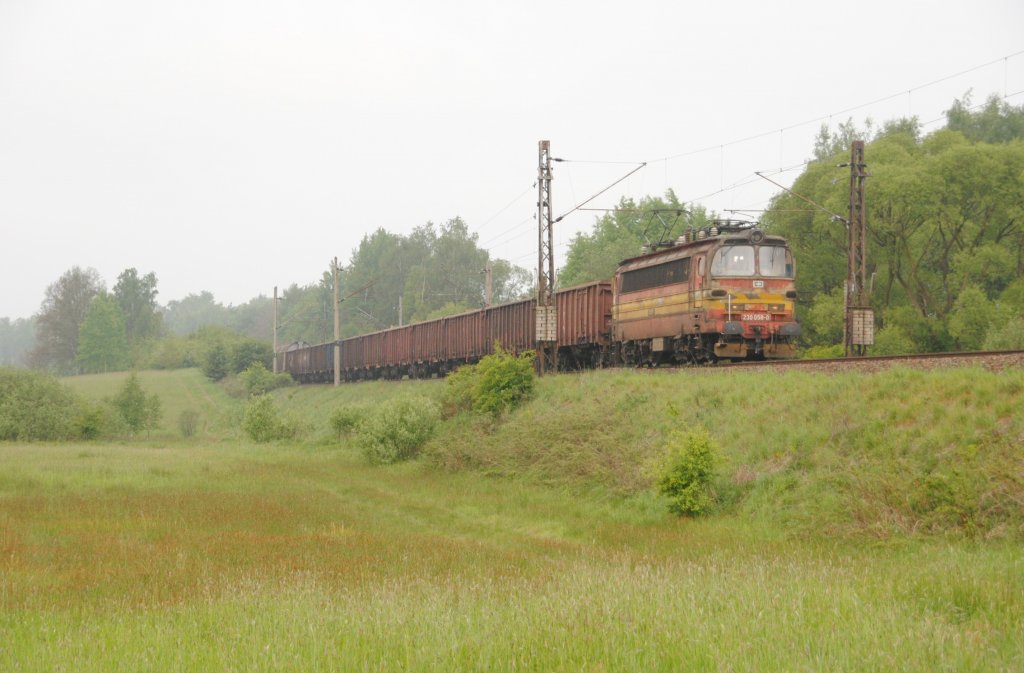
(435,347)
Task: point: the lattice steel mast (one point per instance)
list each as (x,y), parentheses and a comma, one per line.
(547,316)
(860,319)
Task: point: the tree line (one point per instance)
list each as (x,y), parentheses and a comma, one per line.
(945,218)
(82,327)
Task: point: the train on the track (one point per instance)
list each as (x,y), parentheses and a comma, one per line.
(722,292)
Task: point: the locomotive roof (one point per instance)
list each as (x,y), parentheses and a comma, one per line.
(675,250)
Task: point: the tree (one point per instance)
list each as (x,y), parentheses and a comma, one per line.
(510,282)
(138,410)
(972,315)
(217,361)
(16,340)
(829,144)
(621,233)
(136,297)
(996,122)
(102,344)
(254,318)
(945,213)
(65,305)
(305,312)
(187,315)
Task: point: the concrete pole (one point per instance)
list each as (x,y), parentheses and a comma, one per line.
(488,285)
(337,325)
(275,329)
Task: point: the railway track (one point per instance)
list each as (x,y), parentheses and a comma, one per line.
(991,360)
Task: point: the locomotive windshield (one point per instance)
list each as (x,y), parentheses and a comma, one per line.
(773,261)
(733,260)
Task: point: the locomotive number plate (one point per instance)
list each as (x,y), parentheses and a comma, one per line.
(756,316)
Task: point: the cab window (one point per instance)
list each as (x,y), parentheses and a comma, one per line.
(775,261)
(733,260)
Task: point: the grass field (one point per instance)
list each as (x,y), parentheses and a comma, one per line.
(214,553)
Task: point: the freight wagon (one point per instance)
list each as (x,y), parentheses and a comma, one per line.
(436,347)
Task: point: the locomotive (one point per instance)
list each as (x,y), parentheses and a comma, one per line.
(722,292)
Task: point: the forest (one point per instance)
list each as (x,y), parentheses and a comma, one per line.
(945,251)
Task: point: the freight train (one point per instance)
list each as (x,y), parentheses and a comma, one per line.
(722,292)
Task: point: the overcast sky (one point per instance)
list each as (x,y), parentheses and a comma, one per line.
(235,145)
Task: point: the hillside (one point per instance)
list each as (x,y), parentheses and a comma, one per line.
(886,453)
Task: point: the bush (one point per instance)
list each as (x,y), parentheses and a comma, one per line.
(246,352)
(892,340)
(686,474)
(35,406)
(345,420)
(823,352)
(262,421)
(174,352)
(216,362)
(96,420)
(1008,337)
(257,380)
(188,422)
(397,429)
(138,410)
(498,383)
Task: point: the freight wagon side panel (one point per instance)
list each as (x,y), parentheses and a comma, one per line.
(584,314)
(511,325)
(401,345)
(427,344)
(463,337)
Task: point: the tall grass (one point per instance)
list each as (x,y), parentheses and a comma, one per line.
(216,553)
(236,556)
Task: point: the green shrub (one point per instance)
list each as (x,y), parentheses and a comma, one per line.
(188,422)
(823,352)
(686,474)
(246,352)
(35,406)
(138,410)
(498,383)
(1008,337)
(216,362)
(257,380)
(263,422)
(892,340)
(459,390)
(345,420)
(96,420)
(173,352)
(397,429)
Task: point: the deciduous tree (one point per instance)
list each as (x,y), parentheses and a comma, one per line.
(136,296)
(102,342)
(60,318)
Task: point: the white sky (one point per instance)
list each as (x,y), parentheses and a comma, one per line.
(234,145)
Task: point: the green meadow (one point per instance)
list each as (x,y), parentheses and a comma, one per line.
(863,523)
